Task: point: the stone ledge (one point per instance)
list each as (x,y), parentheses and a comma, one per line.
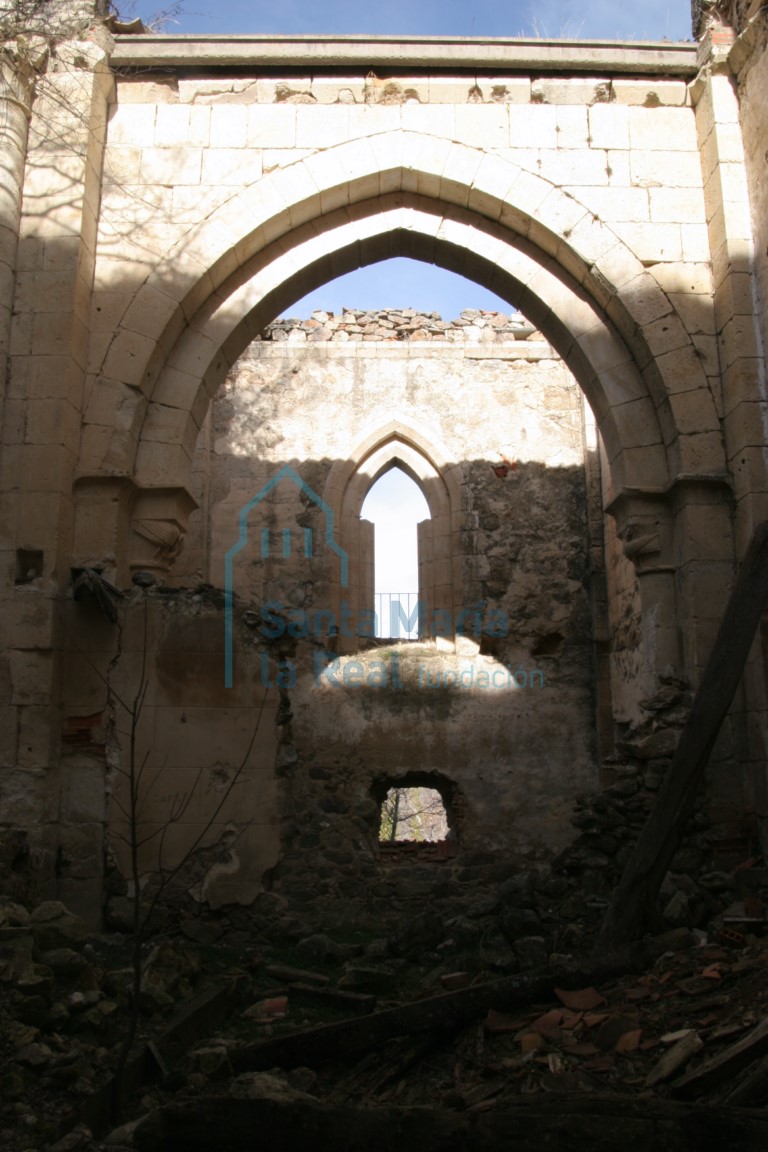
(433,52)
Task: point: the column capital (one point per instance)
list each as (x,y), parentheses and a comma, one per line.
(158,527)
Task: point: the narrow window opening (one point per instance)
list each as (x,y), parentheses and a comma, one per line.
(395,505)
(420,816)
(413,814)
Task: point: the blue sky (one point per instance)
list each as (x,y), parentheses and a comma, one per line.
(588,19)
(395,505)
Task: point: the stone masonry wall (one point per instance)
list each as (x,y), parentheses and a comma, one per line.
(507,720)
(167,213)
(752,79)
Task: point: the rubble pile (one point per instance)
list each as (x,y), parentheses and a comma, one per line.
(691,1026)
(64,1006)
(472,325)
(697,891)
(460,1032)
(696,990)
(633,1034)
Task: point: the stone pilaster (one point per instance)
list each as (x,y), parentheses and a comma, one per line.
(49,334)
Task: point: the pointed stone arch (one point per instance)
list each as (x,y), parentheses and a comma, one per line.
(409,193)
(631,406)
(427,462)
(584,287)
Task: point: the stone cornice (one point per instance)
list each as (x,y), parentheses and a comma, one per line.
(435,53)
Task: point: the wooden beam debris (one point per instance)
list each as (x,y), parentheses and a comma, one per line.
(446,1011)
(725,1066)
(632,908)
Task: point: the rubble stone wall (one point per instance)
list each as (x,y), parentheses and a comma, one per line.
(507,717)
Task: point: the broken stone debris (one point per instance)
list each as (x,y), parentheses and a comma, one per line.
(690,1025)
(644,1035)
(401,324)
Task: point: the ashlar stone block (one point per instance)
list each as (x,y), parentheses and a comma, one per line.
(610,204)
(578,90)
(172,123)
(38,735)
(695,242)
(651,168)
(663,129)
(132,124)
(229,125)
(575,168)
(608,126)
(652,243)
(127,358)
(650,93)
(483,125)
(681,370)
(230,167)
(572,127)
(432,121)
(52,422)
(171,166)
(271,126)
(138,91)
(493,89)
(337,89)
(695,411)
(31,677)
(696,313)
(533,126)
(744,426)
(638,423)
(321,126)
(665,334)
(676,205)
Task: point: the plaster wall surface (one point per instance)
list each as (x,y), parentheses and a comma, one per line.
(201,761)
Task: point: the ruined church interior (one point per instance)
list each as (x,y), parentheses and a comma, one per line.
(384,734)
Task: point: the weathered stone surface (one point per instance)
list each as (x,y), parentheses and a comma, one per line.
(531,952)
(54,926)
(13,916)
(120,914)
(212,1061)
(656,744)
(65,961)
(266,1086)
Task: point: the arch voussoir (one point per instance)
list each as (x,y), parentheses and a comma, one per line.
(566,269)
